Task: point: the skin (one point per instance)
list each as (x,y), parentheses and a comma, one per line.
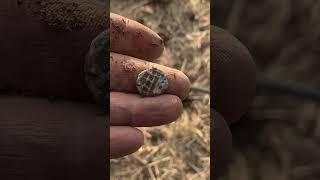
(133,39)
(43,128)
(46,68)
(136,46)
(60,81)
(125,80)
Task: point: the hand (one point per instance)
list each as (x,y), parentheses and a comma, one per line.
(233,90)
(49,126)
(133,47)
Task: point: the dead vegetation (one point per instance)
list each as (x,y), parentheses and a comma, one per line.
(180,150)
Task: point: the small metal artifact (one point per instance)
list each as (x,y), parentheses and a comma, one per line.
(152,82)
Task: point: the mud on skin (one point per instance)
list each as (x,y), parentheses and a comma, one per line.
(126,37)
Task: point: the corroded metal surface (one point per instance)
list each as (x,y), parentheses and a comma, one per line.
(152,82)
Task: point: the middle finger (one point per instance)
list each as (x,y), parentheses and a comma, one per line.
(125,70)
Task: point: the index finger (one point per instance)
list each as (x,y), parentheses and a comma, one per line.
(131,38)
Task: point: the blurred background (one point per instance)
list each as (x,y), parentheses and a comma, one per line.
(279,138)
(180,150)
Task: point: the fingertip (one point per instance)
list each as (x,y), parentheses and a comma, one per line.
(175,108)
(185,85)
(155,111)
(132,38)
(140,137)
(179,84)
(155,47)
(171,107)
(124,141)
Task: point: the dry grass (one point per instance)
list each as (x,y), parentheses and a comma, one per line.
(180,150)
(280,139)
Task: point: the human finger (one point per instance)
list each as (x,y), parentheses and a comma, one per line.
(124,141)
(134,110)
(134,39)
(125,70)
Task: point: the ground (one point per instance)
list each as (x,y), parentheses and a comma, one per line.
(180,150)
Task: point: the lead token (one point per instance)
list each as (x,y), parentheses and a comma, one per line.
(152,82)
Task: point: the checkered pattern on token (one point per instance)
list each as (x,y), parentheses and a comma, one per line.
(151,82)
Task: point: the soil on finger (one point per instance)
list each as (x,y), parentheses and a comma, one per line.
(125,70)
(134,39)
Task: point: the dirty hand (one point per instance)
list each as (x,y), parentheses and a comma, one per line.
(133,48)
(233,91)
(49,124)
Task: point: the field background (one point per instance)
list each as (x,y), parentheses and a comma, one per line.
(180,150)
(279,139)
